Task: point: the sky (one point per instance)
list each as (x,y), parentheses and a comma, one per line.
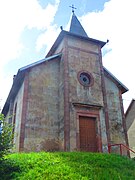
(28,29)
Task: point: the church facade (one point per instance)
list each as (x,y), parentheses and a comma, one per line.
(67,101)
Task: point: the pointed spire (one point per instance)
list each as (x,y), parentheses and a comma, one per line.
(76,27)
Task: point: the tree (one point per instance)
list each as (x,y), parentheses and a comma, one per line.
(6,136)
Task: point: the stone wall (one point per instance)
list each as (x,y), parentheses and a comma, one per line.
(17,115)
(114,110)
(61,103)
(130,122)
(84,56)
(42,122)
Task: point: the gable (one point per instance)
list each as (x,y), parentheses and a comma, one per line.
(19,78)
(120,85)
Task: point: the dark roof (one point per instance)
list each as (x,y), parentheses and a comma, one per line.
(115,80)
(76,27)
(19,80)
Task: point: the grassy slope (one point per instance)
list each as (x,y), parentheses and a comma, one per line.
(73,165)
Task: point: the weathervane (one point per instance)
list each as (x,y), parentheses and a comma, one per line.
(73,8)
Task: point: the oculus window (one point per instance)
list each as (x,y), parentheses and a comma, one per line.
(85,78)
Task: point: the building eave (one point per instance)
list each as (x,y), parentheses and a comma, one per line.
(40,62)
(13,91)
(120,85)
(66,33)
(19,80)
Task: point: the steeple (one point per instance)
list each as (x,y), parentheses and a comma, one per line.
(76,27)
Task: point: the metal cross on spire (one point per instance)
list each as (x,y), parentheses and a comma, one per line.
(73,8)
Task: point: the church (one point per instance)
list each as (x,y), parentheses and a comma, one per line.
(67,101)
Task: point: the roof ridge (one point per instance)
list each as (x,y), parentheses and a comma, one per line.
(39,62)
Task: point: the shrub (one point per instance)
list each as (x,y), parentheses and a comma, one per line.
(6,137)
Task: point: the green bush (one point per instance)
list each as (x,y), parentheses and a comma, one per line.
(8,169)
(6,137)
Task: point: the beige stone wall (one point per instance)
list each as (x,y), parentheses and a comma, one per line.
(114,111)
(130,122)
(130,116)
(82,44)
(18,103)
(42,122)
(81,60)
(83,56)
(103,132)
(61,103)
(131,138)
(60,47)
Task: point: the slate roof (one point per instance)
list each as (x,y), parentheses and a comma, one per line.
(76,27)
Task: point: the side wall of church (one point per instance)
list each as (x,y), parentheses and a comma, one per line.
(130,122)
(59,49)
(131,137)
(114,110)
(84,56)
(42,118)
(17,114)
(61,103)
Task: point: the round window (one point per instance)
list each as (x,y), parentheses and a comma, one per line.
(85,78)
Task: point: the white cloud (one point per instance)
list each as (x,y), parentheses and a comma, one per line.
(115,23)
(15,16)
(47,38)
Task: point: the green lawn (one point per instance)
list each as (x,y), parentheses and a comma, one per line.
(67,165)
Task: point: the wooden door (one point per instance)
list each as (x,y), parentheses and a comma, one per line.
(87,131)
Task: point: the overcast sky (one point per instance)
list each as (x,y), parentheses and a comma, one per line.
(28,28)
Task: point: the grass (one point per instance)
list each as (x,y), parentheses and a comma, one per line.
(67,165)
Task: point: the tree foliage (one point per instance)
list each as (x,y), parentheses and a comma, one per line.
(6,136)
